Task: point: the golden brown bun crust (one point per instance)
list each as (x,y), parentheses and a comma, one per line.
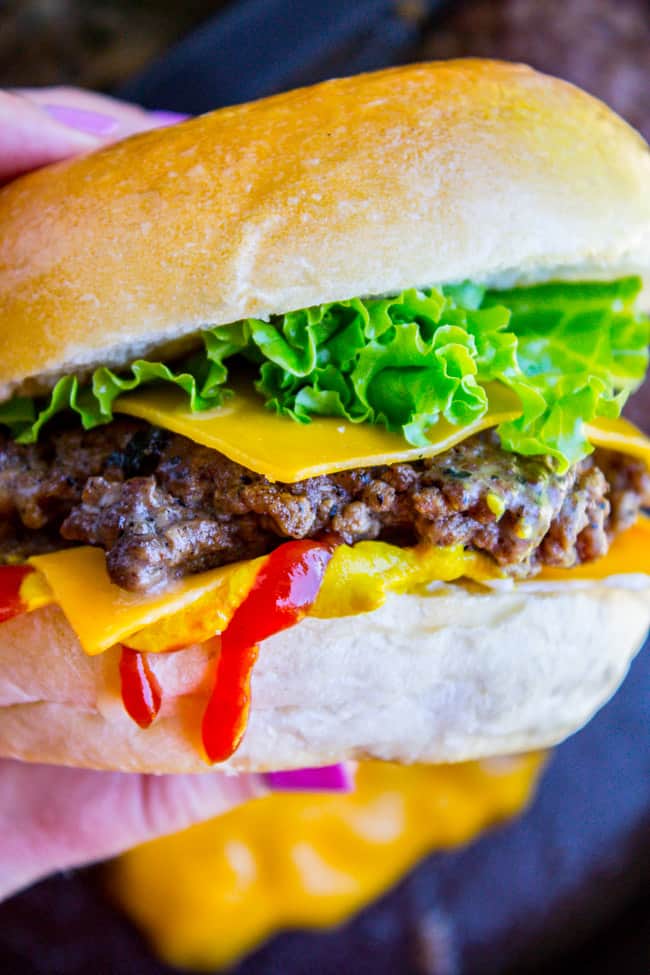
(478,675)
(416,175)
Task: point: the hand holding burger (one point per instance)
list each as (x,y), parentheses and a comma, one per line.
(55,818)
(312,416)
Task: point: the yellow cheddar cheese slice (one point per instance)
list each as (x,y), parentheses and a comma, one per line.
(619,434)
(629,554)
(209,895)
(102,614)
(284,450)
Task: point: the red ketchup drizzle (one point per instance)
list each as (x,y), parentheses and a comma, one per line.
(284,590)
(141,692)
(11,579)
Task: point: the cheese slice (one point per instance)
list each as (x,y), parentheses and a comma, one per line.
(357,580)
(629,554)
(210,894)
(284,450)
(101,614)
(619,434)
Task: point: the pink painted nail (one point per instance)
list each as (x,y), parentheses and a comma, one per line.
(82,119)
(168,118)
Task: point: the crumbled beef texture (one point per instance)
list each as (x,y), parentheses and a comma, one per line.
(629,487)
(40,484)
(162,506)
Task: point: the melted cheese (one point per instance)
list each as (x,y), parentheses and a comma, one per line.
(629,554)
(283,450)
(357,580)
(619,435)
(209,895)
(102,614)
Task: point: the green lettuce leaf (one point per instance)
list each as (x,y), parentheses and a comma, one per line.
(200,381)
(581,350)
(571,351)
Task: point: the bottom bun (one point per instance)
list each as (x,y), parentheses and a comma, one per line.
(441,677)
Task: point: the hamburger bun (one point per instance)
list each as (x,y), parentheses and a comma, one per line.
(443,677)
(360,186)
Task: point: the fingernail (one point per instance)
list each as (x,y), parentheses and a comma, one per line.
(168,118)
(330,778)
(82,119)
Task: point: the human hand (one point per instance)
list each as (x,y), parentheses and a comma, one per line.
(43,125)
(56,818)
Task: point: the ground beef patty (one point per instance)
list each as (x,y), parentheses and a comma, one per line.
(162,506)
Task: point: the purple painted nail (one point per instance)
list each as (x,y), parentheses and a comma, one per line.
(168,118)
(82,119)
(329,778)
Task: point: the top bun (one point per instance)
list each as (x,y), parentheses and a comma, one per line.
(360,186)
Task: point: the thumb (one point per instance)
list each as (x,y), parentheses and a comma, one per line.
(44,125)
(56,818)
(155,805)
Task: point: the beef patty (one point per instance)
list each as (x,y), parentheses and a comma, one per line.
(163,507)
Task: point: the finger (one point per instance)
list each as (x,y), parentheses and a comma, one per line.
(127,119)
(29,138)
(55,818)
(44,125)
(157,805)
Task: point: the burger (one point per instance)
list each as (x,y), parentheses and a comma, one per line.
(311,439)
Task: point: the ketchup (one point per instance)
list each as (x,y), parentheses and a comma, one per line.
(282,594)
(11,579)
(141,692)
(226,716)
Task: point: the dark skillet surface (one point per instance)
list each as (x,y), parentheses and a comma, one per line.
(518,896)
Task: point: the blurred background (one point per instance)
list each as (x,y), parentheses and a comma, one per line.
(602,45)
(566,889)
